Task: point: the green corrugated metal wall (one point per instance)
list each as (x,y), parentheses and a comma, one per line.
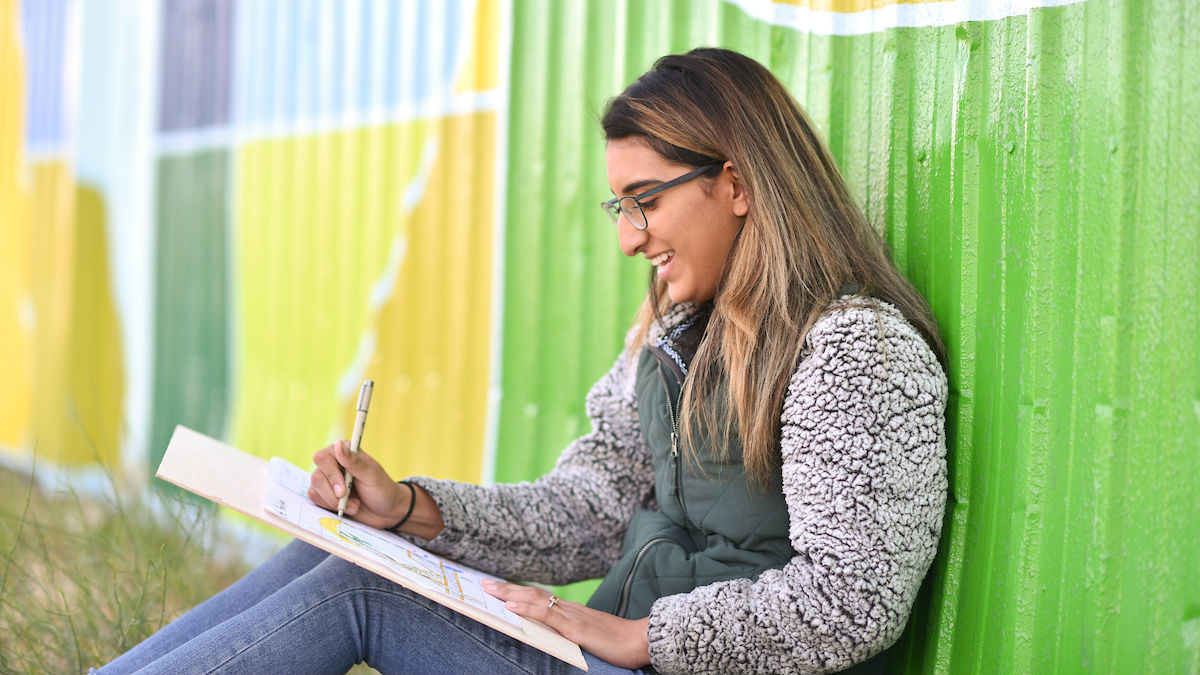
(1036,177)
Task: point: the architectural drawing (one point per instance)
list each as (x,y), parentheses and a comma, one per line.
(286,497)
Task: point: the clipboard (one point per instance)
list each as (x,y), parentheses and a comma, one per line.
(238,480)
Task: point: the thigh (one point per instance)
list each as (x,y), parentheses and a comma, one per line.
(338,614)
(400,631)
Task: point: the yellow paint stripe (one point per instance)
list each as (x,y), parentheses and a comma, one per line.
(431,361)
(480,72)
(80,387)
(316,217)
(16,326)
(317,221)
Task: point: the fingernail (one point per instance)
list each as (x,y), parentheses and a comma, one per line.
(338,490)
(511,604)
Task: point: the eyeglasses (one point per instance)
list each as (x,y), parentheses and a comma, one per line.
(631,206)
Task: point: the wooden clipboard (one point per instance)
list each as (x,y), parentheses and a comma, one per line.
(232,478)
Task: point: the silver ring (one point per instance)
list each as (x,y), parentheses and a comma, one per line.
(553,601)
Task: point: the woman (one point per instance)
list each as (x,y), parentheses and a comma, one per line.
(763,487)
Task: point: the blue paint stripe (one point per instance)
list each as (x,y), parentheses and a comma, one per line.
(286,71)
(43,31)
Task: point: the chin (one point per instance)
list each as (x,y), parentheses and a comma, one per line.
(677,296)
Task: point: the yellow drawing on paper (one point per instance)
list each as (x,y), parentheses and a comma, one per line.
(446,578)
(347,534)
(286,497)
(334,527)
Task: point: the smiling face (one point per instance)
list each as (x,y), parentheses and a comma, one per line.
(692,226)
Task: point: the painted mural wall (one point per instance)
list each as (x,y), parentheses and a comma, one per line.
(227,214)
(241,210)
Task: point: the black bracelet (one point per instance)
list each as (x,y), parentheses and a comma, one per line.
(411,503)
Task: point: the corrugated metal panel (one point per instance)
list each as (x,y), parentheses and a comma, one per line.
(1036,177)
(355,136)
(192,312)
(16,331)
(195,72)
(569,298)
(67,381)
(44,28)
(309,227)
(191,371)
(567,301)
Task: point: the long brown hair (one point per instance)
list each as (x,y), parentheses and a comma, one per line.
(804,238)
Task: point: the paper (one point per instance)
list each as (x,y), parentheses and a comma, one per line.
(240,481)
(286,496)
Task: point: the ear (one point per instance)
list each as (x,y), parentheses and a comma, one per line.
(738,199)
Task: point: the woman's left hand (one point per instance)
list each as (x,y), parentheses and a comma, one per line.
(621,642)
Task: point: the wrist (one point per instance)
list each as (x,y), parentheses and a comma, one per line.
(407,511)
(641,640)
(424,517)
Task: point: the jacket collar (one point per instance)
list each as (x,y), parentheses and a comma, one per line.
(675,339)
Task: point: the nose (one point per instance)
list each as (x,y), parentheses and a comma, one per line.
(629,237)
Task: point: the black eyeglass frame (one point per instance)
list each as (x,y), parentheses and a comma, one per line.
(613,207)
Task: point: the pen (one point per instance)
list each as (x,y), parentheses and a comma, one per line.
(360,421)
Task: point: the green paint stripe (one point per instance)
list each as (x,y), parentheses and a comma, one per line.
(191,330)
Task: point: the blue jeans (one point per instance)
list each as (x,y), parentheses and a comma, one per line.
(305,611)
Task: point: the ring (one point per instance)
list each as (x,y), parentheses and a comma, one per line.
(553,600)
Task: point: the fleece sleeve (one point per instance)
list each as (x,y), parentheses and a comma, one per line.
(863,462)
(567,525)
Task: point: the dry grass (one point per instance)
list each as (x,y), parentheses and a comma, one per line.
(83,580)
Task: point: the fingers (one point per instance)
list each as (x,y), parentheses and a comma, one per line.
(361,465)
(622,642)
(374,494)
(326,484)
(534,603)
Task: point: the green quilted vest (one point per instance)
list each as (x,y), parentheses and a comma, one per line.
(712,525)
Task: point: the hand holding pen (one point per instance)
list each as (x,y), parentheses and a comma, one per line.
(378,500)
(360,421)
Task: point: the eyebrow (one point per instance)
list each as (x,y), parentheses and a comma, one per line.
(637,185)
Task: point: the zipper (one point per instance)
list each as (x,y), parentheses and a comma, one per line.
(675,445)
(623,603)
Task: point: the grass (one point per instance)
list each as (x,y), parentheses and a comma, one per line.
(84,579)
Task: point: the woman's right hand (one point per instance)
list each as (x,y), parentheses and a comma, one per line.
(376,499)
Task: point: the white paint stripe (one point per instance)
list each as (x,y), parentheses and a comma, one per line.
(45,153)
(824,22)
(195,140)
(385,285)
(133,231)
(500,203)
(352,379)
(416,189)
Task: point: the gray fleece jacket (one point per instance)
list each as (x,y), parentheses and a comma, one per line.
(864,476)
